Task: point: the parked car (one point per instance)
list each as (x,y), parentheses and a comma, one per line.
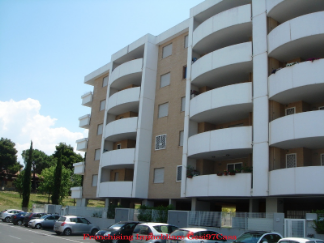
(152,232)
(122,228)
(190,235)
(30,216)
(18,218)
(258,237)
(46,221)
(70,224)
(7,213)
(300,240)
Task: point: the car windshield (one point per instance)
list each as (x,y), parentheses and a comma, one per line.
(43,217)
(249,237)
(115,226)
(62,219)
(28,214)
(165,228)
(180,233)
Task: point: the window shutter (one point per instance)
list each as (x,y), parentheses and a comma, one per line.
(99,131)
(159,175)
(105,82)
(165,80)
(291,160)
(163,110)
(179,172)
(94,180)
(167,51)
(160,142)
(181,138)
(186,41)
(102,105)
(183,103)
(97,154)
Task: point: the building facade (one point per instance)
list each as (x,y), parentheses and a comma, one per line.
(239,86)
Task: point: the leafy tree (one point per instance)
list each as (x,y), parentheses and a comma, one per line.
(41,159)
(69,157)
(57,181)
(27,180)
(18,183)
(8,156)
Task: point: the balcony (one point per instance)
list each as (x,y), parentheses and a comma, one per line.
(297,181)
(76,192)
(234,65)
(303,81)
(283,10)
(224,29)
(117,158)
(87,99)
(300,37)
(218,186)
(84,121)
(298,130)
(121,129)
(82,144)
(116,189)
(236,141)
(222,104)
(123,101)
(79,168)
(127,73)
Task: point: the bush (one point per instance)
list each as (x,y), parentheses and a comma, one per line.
(319,223)
(161,213)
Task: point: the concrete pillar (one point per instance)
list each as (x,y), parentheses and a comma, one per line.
(274,205)
(254,206)
(172,202)
(82,202)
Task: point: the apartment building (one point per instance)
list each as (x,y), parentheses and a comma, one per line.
(239,85)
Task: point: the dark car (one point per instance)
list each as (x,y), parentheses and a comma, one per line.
(18,218)
(30,216)
(122,229)
(258,237)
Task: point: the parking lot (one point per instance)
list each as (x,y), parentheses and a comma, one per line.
(20,234)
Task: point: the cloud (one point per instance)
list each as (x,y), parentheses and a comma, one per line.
(21,122)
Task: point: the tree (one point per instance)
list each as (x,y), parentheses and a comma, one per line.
(18,183)
(8,156)
(27,180)
(68,156)
(57,181)
(41,159)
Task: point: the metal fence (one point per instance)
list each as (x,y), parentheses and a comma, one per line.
(148,215)
(84,211)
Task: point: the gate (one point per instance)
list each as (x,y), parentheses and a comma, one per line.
(295,227)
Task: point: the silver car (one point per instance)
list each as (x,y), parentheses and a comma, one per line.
(46,221)
(196,235)
(70,224)
(6,214)
(152,232)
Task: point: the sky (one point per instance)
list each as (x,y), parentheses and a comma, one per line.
(46,49)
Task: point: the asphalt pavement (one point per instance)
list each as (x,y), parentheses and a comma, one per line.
(10,233)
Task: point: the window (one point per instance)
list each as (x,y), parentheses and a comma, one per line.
(160,142)
(102,105)
(291,160)
(99,129)
(167,51)
(116,176)
(165,80)
(179,171)
(94,180)
(163,110)
(186,41)
(234,166)
(181,138)
(321,108)
(119,146)
(97,154)
(183,103)
(159,175)
(105,81)
(322,159)
(290,111)
(184,72)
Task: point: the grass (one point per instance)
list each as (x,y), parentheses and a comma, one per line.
(10,199)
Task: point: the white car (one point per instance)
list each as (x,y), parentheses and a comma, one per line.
(152,232)
(46,221)
(300,240)
(195,235)
(6,214)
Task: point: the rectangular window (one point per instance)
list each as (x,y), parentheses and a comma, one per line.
(186,41)
(94,180)
(181,138)
(97,154)
(165,80)
(105,81)
(119,146)
(160,142)
(234,166)
(159,175)
(322,159)
(290,111)
(163,110)
(102,105)
(167,51)
(291,160)
(179,171)
(99,130)
(184,72)
(183,103)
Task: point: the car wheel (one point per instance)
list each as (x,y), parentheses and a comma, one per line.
(19,222)
(94,231)
(8,220)
(67,232)
(38,226)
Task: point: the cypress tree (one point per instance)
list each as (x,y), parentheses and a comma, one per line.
(27,179)
(57,181)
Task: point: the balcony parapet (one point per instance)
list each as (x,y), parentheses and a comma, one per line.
(82,144)
(84,121)
(87,99)
(109,189)
(124,100)
(118,157)
(79,168)
(125,128)
(76,192)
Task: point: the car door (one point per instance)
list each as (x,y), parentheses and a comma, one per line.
(48,221)
(83,225)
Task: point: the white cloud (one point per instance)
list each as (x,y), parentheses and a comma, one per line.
(21,122)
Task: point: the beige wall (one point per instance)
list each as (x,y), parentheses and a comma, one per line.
(171,125)
(123,174)
(127,143)
(127,115)
(94,140)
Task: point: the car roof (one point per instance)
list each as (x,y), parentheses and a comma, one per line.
(127,222)
(153,224)
(300,239)
(196,229)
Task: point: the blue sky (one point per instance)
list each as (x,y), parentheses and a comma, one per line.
(46,49)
